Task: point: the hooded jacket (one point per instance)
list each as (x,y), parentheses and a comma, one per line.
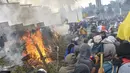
(70,60)
(70,49)
(124,50)
(109,48)
(84,56)
(81,68)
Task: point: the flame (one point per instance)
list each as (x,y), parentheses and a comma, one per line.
(31,40)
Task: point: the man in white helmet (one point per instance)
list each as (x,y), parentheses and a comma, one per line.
(41,71)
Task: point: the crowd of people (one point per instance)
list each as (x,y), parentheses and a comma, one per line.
(100,51)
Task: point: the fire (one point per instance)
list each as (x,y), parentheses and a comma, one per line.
(31,40)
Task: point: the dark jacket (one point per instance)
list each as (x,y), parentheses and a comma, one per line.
(81,68)
(124,50)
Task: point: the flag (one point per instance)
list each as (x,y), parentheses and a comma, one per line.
(124,29)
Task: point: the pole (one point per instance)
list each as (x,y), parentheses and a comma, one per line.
(120,9)
(101,69)
(77,15)
(57,58)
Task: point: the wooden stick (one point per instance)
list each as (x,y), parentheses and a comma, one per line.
(101,60)
(57,58)
(41,56)
(101,69)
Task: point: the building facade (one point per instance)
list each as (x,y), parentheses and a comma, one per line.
(98,3)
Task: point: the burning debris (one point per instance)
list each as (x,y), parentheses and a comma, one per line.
(34,46)
(29,48)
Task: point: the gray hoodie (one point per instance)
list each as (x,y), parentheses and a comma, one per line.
(84,55)
(109,49)
(70,60)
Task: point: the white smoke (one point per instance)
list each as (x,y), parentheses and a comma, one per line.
(122,1)
(11,51)
(55,5)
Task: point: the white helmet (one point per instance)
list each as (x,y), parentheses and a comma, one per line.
(42,70)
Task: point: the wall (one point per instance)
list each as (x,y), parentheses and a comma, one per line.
(14,13)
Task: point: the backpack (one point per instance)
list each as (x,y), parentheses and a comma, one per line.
(109,67)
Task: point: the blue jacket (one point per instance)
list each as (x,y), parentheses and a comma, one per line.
(67,51)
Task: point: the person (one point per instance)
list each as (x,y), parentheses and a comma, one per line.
(70,60)
(84,55)
(123,53)
(109,53)
(75,41)
(70,49)
(125,68)
(83,32)
(96,45)
(104,28)
(109,50)
(41,71)
(124,50)
(103,34)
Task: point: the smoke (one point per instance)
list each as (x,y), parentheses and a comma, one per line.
(16,14)
(11,49)
(54,5)
(122,1)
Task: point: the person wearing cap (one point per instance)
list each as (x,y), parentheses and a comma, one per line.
(70,60)
(41,71)
(96,45)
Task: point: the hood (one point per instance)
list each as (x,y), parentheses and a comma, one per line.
(81,68)
(70,58)
(85,51)
(97,38)
(109,39)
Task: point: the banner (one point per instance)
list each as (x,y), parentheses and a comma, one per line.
(124,29)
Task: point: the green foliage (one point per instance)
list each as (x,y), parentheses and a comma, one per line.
(3,62)
(19,69)
(22,69)
(52,68)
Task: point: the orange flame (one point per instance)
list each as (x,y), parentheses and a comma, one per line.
(30,41)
